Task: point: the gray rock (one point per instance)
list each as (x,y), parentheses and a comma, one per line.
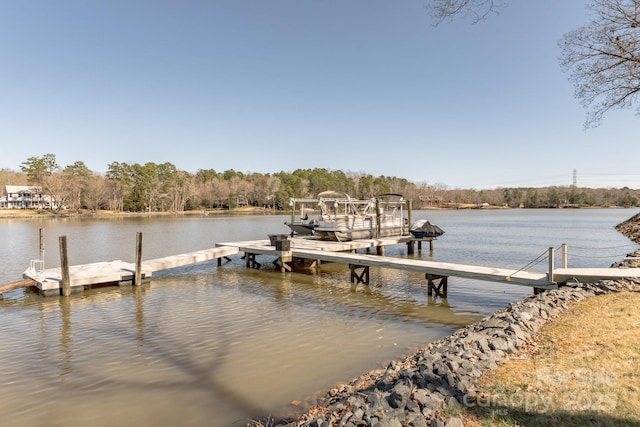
(355,401)
(446,371)
(416,420)
(452,402)
(345,418)
(499,344)
(399,397)
(454,422)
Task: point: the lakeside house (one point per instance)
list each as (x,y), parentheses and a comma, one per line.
(26,197)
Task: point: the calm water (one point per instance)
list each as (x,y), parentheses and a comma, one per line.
(209,346)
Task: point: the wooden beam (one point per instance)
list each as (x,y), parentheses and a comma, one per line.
(137,278)
(23,283)
(440,289)
(362,277)
(65,283)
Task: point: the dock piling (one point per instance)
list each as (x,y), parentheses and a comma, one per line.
(65,285)
(362,277)
(440,290)
(137,279)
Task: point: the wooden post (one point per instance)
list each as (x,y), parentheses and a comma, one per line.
(137,279)
(565,257)
(65,284)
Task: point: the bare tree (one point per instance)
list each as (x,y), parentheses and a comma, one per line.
(98,192)
(603,58)
(477,10)
(77,177)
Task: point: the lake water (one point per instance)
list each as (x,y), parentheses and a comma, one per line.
(217,346)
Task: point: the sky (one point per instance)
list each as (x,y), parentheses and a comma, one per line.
(362,86)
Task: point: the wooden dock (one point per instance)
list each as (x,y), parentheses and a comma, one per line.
(118,272)
(49,281)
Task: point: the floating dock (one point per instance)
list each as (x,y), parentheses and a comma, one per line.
(48,281)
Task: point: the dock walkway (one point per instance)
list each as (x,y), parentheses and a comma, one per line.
(114,272)
(48,281)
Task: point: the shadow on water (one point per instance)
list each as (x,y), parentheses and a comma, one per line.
(385,298)
(187,369)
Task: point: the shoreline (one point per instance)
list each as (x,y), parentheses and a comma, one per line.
(249,210)
(425,387)
(39,214)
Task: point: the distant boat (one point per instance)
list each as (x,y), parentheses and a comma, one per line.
(423,228)
(343,218)
(302,227)
(300,224)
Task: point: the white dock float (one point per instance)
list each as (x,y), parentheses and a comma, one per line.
(48,281)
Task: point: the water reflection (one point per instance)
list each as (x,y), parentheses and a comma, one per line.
(214,346)
(65,336)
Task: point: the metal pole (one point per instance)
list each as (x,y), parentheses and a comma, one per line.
(293,211)
(551,265)
(378,218)
(409,214)
(42,248)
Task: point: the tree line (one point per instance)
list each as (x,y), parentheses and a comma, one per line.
(152,187)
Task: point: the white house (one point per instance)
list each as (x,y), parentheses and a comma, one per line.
(26,197)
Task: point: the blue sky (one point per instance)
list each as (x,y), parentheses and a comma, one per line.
(265,86)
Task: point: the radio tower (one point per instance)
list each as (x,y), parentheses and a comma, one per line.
(575,178)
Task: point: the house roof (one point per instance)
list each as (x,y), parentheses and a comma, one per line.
(21,188)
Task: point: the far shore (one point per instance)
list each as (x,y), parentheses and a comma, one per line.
(246,210)
(85,213)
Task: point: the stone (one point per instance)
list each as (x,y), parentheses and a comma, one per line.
(355,401)
(399,397)
(499,344)
(452,402)
(446,371)
(454,422)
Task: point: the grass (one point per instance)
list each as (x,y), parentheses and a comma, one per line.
(584,370)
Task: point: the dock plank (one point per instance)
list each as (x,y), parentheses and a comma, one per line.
(174,261)
(119,271)
(538,280)
(84,274)
(587,275)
